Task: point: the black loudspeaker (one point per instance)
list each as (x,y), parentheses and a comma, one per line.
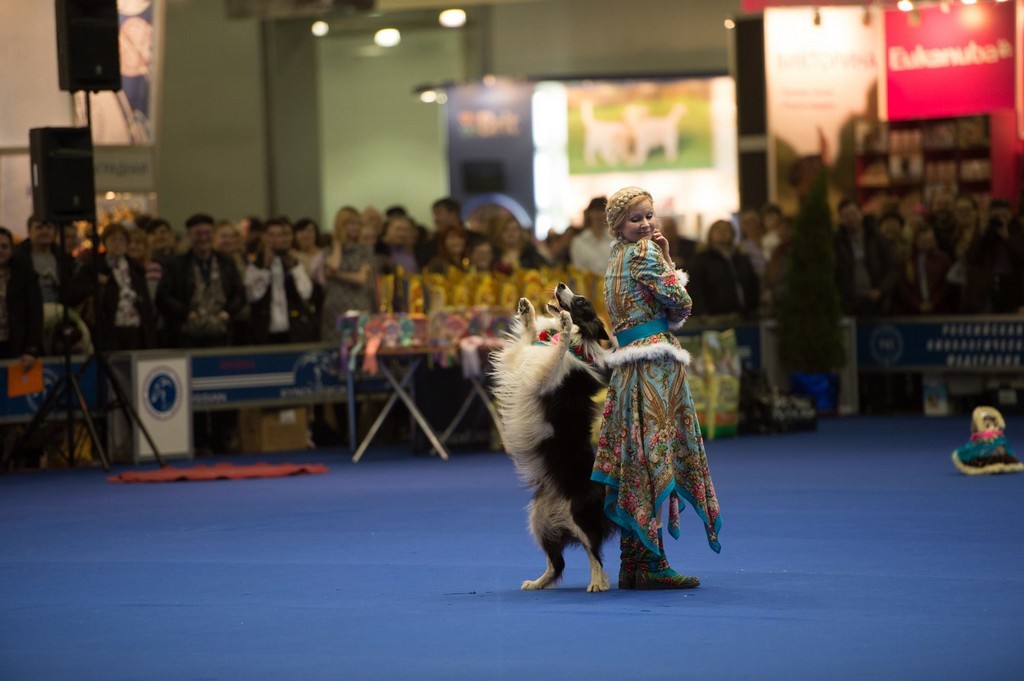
(63,177)
(751,110)
(751,93)
(88,55)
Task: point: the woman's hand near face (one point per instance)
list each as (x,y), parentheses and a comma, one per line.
(659,238)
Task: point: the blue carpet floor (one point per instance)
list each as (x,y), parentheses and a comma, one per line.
(853,552)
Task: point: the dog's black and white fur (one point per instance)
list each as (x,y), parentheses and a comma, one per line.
(545,397)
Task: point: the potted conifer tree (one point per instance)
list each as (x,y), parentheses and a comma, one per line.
(810,341)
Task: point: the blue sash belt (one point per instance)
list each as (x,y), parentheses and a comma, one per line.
(644,330)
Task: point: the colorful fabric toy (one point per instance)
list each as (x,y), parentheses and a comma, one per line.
(988,451)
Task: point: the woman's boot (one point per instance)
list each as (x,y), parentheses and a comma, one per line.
(654,572)
(628,558)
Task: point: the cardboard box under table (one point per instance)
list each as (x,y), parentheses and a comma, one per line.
(273,430)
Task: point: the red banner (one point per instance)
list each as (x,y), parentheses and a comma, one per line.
(949,63)
(1020,69)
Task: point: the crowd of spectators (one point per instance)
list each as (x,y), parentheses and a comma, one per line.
(221,283)
(273,281)
(952,258)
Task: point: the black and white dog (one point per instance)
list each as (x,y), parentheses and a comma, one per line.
(544,381)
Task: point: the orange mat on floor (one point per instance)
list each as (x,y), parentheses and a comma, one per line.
(220,471)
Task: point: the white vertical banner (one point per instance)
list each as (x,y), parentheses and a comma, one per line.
(821,74)
(162,397)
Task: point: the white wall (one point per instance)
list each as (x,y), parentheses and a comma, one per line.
(212,142)
(30,97)
(569,38)
(381,145)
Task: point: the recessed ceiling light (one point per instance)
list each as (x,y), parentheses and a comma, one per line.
(320,28)
(452,18)
(387,37)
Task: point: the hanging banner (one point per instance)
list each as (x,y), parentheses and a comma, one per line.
(945,63)
(821,71)
(127,117)
(490,147)
(1020,69)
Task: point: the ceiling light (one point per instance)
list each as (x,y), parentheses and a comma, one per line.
(452,18)
(905,5)
(968,2)
(428,96)
(730,24)
(387,37)
(320,28)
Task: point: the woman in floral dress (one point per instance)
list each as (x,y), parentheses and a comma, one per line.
(650,449)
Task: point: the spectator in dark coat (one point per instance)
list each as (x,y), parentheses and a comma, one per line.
(201,291)
(722,280)
(62,282)
(21,306)
(866,273)
(995,265)
(125,314)
(41,251)
(923,288)
(280,291)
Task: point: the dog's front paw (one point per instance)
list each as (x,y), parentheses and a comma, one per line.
(525,308)
(565,322)
(534,584)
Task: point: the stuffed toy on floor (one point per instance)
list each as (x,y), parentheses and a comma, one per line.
(988,451)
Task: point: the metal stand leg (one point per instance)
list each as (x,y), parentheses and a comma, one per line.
(411,405)
(478,392)
(485,397)
(401,394)
(368,438)
(350,384)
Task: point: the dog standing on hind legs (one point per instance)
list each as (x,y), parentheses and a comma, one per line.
(544,383)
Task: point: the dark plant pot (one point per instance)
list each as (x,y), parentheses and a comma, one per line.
(822,388)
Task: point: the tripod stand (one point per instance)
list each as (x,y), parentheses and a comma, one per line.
(83,206)
(68,385)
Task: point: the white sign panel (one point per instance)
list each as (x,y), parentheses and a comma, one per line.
(124,169)
(163,401)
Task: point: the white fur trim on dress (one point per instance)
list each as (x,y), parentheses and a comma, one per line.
(684,279)
(630,355)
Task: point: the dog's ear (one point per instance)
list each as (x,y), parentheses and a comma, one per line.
(593,328)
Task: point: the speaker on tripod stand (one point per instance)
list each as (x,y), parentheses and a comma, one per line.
(63,191)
